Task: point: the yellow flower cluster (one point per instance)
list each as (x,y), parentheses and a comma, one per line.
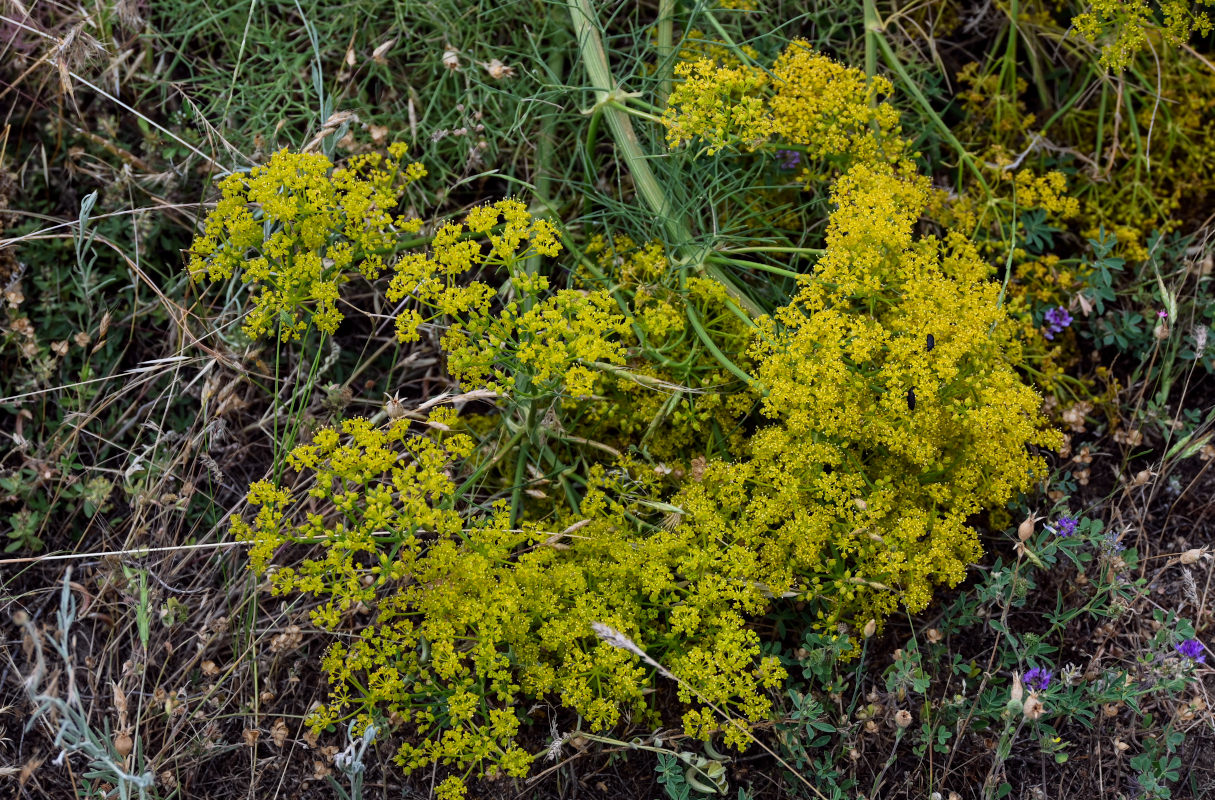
(1125,29)
(891,413)
(898,413)
(473,616)
(807,103)
(555,344)
(297,228)
(896,409)
(436,281)
(533,342)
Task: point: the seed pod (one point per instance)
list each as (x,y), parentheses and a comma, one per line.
(123,744)
(1191,556)
(1018,691)
(902,718)
(1026,528)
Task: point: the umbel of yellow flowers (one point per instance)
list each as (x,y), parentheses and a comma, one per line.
(852,493)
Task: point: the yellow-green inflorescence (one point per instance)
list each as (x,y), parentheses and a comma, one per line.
(884,413)
(298,227)
(1124,29)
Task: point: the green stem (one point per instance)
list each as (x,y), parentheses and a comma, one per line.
(595,62)
(514,440)
(810,251)
(707,340)
(788,273)
(636,112)
(926,107)
(873,29)
(665,47)
(516,492)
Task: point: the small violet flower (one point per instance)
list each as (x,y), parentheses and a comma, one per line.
(1056,320)
(1192,649)
(1066,526)
(1162,314)
(1038,679)
(789,159)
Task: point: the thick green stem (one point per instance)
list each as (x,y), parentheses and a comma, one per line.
(595,62)
(873,29)
(516,493)
(665,47)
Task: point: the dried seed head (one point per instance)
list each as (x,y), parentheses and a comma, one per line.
(451,58)
(1017,691)
(1026,528)
(1192,555)
(1161,332)
(123,744)
(902,718)
(379,55)
(934,635)
(1034,709)
(498,71)
(393,407)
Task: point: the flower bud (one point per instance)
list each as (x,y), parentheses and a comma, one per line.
(870,629)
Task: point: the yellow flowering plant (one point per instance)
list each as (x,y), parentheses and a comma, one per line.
(710,463)
(297,228)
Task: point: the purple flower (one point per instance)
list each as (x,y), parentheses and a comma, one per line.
(1057,319)
(1066,526)
(1162,314)
(789,158)
(1038,679)
(1193,649)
